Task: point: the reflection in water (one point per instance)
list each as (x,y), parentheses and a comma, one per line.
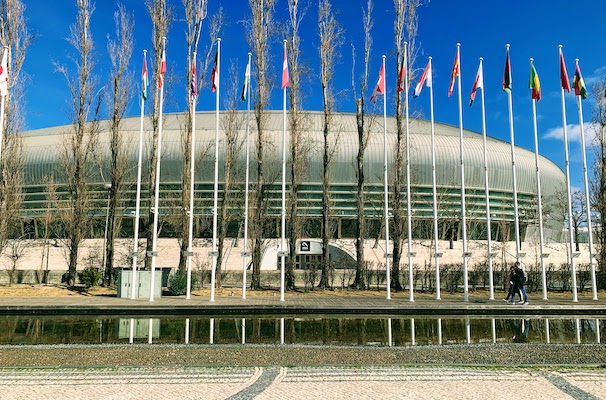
(320,330)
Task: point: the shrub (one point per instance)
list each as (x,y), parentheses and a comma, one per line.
(90,277)
(177,282)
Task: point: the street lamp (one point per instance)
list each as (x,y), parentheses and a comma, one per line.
(108,187)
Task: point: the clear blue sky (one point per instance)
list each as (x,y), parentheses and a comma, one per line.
(533,28)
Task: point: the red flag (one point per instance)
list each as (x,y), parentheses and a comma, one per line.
(456,71)
(380,89)
(214,74)
(402,75)
(563,73)
(163,66)
(285,77)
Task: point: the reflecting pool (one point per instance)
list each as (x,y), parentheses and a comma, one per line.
(310,330)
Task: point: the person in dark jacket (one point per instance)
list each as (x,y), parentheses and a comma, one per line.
(511,294)
(518,282)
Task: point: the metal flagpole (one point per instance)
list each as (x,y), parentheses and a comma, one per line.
(409,254)
(567,165)
(190,252)
(437,253)
(466,254)
(513,172)
(539,201)
(214,252)
(386,185)
(586,182)
(154,253)
(486,188)
(3,94)
(283,210)
(245,253)
(135,252)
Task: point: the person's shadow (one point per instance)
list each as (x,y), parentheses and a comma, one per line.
(520,329)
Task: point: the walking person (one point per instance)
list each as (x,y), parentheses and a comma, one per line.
(511,293)
(518,282)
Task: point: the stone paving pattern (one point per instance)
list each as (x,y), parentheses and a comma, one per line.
(286,383)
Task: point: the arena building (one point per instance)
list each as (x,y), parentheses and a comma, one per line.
(43,147)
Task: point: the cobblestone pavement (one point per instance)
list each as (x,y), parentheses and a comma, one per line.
(302,383)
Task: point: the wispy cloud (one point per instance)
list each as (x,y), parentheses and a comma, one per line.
(573,132)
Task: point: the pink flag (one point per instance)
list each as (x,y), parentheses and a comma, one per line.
(285,77)
(380,89)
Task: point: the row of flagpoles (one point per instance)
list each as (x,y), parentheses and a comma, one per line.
(425,81)
(534,84)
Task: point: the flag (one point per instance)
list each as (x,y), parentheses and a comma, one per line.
(425,80)
(564,74)
(402,75)
(456,71)
(144,78)
(579,84)
(478,83)
(285,77)
(380,89)
(246,82)
(214,74)
(507,74)
(534,83)
(194,79)
(162,66)
(4,73)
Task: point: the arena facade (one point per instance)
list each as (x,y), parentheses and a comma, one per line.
(42,149)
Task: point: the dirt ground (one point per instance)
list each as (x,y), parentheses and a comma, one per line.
(62,291)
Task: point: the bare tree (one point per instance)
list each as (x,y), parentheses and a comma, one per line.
(120,52)
(405,29)
(363,136)
(15,36)
(231,122)
(161,17)
(258,38)
(79,145)
(195,13)
(331,39)
(599,179)
(297,127)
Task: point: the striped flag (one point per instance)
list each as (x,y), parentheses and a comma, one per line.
(144,77)
(214,74)
(534,83)
(194,79)
(246,82)
(285,76)
(478,83)
(425,80)
(579,84)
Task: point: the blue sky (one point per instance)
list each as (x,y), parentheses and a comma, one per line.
(533,28)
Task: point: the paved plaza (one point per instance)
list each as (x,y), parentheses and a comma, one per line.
(302,383)
(299,376)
